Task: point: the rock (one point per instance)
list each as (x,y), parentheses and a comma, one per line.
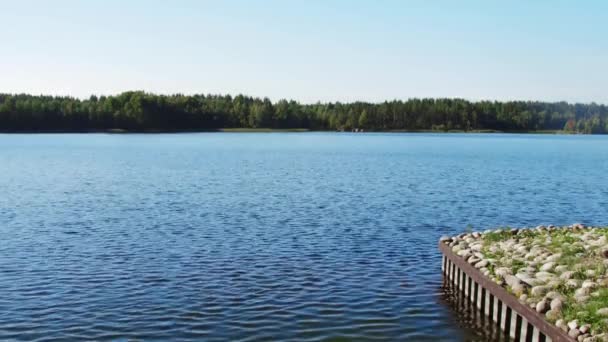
(566,275)
(581,299)
(554,257)
(585,328)
(552,315)
(560,323)
(528,270)
(518,289)
(477,247)
(511,280)
(502,271)
(583,291)
(538,291)
(473,260)
(531,281)
(554,294)
(548,266)
(596,338)
(554,283)
(598,242)
(573,324)
(590,273)
(464,253)
(574,333)
(532,254)
(588,284)
(556,304)
(542,306)
(602,312)
(561,268)
(523,274)
(545,276)
(482,264)
(572,283)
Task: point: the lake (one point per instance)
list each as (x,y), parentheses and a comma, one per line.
(266,236)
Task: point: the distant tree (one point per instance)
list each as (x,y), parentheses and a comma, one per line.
(140,111)
(363,120)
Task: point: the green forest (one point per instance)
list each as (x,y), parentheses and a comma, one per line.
(141,111)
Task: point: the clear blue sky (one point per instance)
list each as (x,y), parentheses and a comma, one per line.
(309,50)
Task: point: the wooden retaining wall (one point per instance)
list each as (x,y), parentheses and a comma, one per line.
(515,319)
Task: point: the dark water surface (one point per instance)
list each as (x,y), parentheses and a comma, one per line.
(264,237)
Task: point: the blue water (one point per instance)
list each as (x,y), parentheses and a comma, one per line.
(260,237)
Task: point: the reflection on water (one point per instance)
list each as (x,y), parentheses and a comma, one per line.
(478,326)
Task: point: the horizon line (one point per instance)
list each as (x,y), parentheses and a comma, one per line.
(233,95)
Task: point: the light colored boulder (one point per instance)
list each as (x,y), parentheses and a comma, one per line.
(547,266)
(589,284)
(560,323)
(566,275)
(542,306)
(482,264)
(572,283)
(554,257)
(556,304)
(502,271)
(545,276)
(511,280)
(552,315)
(538,291)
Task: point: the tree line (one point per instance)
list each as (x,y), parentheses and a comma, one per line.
(141,111)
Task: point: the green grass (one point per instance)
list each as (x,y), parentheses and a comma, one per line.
(495,236)
(516,265)
(587,312)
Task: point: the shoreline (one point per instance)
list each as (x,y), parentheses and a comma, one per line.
(279,130)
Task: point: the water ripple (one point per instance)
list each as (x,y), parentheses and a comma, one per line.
(308,237)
